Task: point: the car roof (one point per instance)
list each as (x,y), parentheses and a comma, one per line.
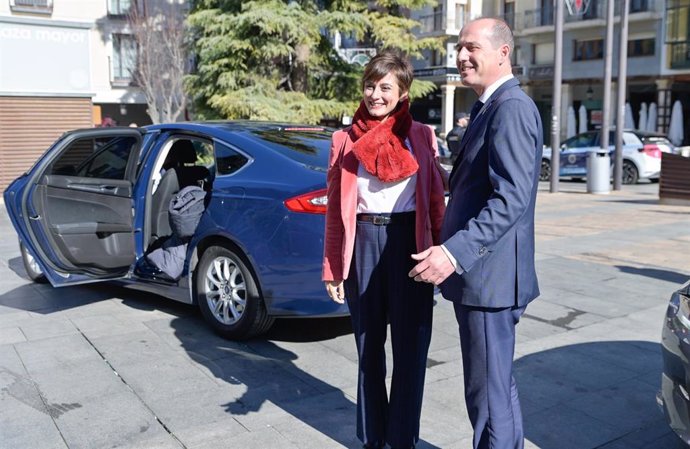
(239,125)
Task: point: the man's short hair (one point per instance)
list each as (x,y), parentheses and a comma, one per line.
(459,115)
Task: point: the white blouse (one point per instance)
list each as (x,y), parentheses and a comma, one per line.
(377,197)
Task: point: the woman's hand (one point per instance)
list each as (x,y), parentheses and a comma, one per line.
(336,291)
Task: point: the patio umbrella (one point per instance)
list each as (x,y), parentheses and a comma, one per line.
(675,129)
(582,112)
(651,118)
(570,129)
(628,121)
(643,117)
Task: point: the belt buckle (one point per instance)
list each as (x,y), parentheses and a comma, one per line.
(380,220)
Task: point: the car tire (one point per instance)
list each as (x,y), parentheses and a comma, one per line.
(630,173)
(32,269)
(545,172)
(228,295)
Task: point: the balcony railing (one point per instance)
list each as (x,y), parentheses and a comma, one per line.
(597,10)
(35,6)
(359,55)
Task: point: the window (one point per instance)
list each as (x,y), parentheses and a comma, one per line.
(546,13)
(588,50)
(542,54)
(678,34)
(509,13)
(103,157)
(460,11)
(119,7)
(228,161)
(124,57)
(581,141)
(639,5)
(641,47)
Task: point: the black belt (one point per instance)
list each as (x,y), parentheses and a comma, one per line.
(386,219)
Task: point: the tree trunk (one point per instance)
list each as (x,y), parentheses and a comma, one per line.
(300,69)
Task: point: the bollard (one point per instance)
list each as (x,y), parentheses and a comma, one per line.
(598,172)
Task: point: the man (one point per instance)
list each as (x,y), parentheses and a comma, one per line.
(486,262)
(454,136)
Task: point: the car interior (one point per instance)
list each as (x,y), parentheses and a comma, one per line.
(179,171)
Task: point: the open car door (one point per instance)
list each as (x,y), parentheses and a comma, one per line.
(76,206)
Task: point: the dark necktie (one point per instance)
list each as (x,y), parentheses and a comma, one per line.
(475,110)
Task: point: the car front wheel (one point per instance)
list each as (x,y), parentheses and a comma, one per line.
(228,295)
(545,173)
(630,174)
(32,269)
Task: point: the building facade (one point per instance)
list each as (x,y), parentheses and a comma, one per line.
(64,64)
(658,65)
(444,21)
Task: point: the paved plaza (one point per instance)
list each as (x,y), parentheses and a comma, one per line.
(101,366)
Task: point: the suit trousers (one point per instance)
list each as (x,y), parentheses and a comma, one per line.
(379,291)
(487,339)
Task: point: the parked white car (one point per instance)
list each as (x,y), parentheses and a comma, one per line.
(641,155)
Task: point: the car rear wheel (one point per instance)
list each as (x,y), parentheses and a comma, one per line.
(32,269)
(228,295)
(545,173)
(630,174)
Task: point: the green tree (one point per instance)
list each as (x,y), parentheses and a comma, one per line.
(273,59)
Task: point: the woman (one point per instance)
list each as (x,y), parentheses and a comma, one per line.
(385,202)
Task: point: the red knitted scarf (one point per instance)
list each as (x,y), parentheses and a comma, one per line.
(380,146)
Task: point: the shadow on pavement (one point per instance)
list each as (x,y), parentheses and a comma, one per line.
(594,395)
(663,275)
(312,329)
(271,376)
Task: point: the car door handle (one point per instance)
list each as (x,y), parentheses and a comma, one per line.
(35,217)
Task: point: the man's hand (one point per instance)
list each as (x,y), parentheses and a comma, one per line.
(433,267)
(336,291)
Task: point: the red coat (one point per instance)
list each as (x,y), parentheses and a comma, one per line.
(341,214)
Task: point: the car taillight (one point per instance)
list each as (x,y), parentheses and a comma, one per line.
(651,150)
(310,203)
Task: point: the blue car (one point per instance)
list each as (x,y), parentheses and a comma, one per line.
(96,207)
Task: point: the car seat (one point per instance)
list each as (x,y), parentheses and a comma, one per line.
(176,177)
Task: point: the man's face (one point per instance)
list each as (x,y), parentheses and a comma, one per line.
(479,63)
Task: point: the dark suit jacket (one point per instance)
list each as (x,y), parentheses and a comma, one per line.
(489,222)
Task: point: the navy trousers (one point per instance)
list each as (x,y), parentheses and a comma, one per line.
(487,339)
(379,291)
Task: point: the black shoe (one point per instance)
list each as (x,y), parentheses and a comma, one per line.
(373,446)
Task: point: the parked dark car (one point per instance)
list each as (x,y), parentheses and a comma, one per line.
(674,397)
(641,155)
(94,207)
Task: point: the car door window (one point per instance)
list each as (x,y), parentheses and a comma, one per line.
(100,157)
(228,160)
(580,141)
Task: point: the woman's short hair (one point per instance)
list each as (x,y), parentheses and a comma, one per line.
(389,61)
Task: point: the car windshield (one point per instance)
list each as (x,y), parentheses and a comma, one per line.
(306,146)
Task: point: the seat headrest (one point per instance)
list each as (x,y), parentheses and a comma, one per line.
(183,152)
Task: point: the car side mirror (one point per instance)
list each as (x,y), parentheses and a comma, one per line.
(563,147)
